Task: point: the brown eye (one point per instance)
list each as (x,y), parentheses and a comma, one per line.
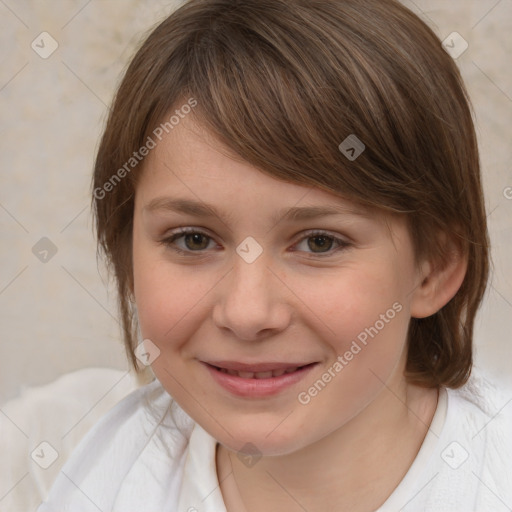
(188,242)
(196,241)
(191,242)
(321,242)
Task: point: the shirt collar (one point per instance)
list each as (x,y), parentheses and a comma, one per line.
(200,489)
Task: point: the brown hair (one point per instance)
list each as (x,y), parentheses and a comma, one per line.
(282,83)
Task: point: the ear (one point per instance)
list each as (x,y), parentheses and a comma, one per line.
(440,279)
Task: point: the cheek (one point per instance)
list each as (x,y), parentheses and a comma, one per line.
(357,303)
(367,320)
(364,322)
(168,297)
(374,346)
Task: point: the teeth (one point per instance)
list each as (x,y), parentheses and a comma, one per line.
(258,375)
(263,375)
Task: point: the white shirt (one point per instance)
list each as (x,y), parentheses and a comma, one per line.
(148,455)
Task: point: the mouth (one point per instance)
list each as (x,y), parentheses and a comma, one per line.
(255,372)
(257,380)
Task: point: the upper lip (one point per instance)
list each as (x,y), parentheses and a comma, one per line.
(255,367)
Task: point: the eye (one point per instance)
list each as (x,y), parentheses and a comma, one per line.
(194,241)
(321,243)
(317,243)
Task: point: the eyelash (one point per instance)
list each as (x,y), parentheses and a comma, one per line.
(170,242)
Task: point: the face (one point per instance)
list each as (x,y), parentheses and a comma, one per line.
(276,324)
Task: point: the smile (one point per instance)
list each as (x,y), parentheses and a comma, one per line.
(257,380)
(259,375)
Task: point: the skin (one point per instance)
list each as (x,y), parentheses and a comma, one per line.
(354,441)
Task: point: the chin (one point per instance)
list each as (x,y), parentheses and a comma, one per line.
(257,441)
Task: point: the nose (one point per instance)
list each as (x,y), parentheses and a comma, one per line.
(252,301)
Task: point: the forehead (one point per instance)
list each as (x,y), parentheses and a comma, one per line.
(190,157)
(192,173)
(189,150)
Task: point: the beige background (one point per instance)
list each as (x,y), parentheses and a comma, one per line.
(59,316)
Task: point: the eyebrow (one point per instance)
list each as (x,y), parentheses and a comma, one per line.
(293,214)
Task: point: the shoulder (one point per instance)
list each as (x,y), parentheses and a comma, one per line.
(484,402)
(470,456)
(481,412)
(477,441)
(50,420)
(146,434)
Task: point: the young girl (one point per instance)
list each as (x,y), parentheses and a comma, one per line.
(289,195)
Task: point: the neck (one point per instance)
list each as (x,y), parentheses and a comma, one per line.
(354,468)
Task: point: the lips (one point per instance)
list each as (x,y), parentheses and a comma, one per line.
(257,381)
(258,375)
(258,370)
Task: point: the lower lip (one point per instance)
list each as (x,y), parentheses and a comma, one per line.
(258,388)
